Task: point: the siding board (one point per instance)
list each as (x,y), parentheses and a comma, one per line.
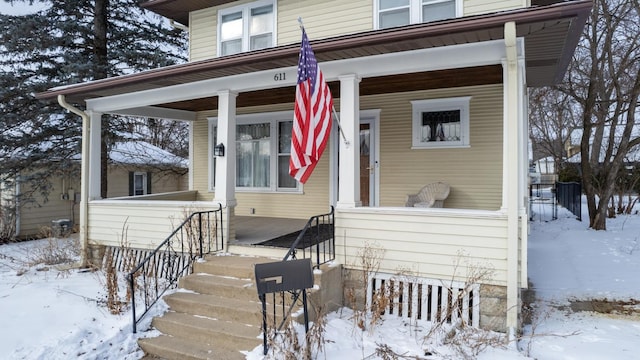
(475,7)
(408,243)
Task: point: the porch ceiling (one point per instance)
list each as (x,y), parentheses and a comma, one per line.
(550,32)
(480,75)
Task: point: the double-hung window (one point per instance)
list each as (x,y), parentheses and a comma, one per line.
(263,149)
(441,123)
(246,27)
(391,13)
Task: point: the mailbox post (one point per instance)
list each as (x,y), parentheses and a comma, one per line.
(281,276)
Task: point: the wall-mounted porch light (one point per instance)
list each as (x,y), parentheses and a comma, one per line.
(218,150)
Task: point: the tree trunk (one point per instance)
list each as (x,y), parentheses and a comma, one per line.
(101,72)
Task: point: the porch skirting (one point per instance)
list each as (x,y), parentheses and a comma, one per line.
(415,298)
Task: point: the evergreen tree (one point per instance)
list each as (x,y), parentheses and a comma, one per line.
(70,41)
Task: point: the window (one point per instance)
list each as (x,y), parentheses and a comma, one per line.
(253,155)
(246,27)
(263,148)
(285,181)
(391,13)
(139,183)
(441,123)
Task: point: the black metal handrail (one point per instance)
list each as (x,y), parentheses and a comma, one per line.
(200,234)
(318,235)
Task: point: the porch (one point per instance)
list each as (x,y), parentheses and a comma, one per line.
(425,245)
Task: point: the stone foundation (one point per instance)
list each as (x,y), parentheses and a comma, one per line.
(95,255)
(354,293)
(493,307)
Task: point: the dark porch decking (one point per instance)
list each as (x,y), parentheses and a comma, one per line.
(252,230)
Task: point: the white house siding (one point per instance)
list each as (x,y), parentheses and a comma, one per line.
(432,243)
(344,17)
(474,173)
(141,224)
(475,7)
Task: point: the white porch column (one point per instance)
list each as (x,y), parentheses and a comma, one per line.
(349,163)
(510,158)
(191,168)
(225,191)
(95,139)
(523,190)
(226,165)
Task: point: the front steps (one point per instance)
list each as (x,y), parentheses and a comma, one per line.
(216,314)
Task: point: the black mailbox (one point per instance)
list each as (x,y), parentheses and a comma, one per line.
(284,276)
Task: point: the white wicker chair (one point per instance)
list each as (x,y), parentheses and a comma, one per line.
(432,195)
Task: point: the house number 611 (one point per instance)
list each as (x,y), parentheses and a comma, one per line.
(280,76)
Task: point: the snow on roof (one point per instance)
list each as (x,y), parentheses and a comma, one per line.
(143,153)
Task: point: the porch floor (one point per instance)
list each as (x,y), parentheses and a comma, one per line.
(252,230)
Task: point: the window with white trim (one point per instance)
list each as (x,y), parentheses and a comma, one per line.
(263,149)
(440,123)
(246,27)
(139,183)
(391,13)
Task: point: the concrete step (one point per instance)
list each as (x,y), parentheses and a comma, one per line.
(241,289)
(214,306)
(233,266)
(219,313)
(173,348)
(217,334)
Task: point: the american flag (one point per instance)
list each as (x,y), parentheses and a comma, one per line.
(312,115)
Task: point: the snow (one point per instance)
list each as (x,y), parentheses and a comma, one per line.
(141,153)
(59,312)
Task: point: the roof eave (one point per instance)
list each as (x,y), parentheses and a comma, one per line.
(577,10)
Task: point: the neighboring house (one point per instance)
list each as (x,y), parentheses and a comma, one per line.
(139,168)
(464,65)
(135,168)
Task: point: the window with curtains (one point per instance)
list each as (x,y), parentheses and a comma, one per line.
(391,13)
(246,27)
(441,123)
(253,155)
(263,148)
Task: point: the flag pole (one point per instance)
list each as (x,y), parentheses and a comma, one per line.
(335,113)
(346,142)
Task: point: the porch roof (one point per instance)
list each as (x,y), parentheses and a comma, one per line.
(550,32)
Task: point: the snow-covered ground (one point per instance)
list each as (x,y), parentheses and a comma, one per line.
(53,312)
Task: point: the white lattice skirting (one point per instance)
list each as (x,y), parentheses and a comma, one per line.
(427,299)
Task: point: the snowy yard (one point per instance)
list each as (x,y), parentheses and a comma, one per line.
(54,312)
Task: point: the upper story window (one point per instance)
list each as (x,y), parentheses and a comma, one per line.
(246,27)
(441,123)
(404,12)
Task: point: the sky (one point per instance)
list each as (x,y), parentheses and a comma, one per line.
(19,8)
(58,312)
